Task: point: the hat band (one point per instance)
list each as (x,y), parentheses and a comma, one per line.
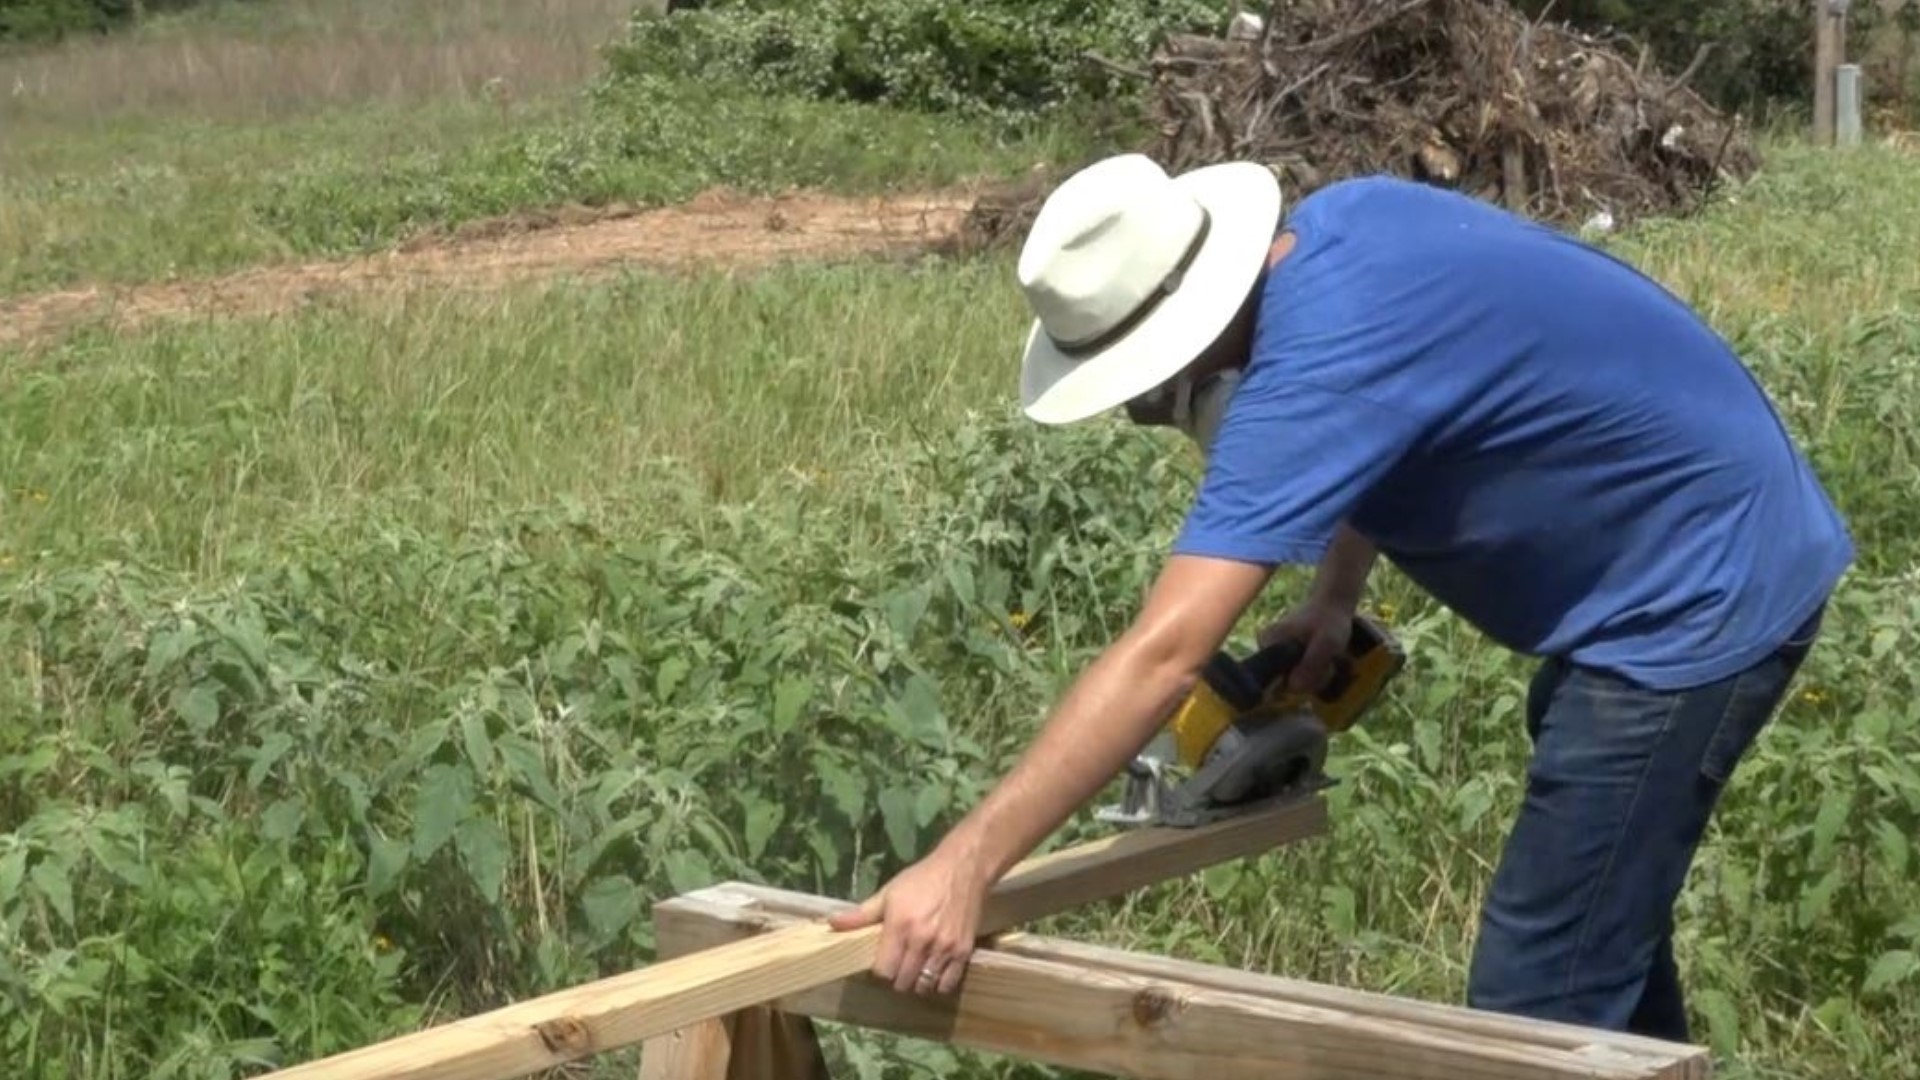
(1167,286)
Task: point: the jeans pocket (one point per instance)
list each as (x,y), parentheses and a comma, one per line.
(1750,704)
(1755,696)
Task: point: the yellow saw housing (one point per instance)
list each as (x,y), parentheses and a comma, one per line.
(1229,689)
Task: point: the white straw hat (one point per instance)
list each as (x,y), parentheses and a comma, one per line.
(1131,273)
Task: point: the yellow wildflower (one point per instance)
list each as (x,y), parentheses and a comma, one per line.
(1019,619)
(1812,695)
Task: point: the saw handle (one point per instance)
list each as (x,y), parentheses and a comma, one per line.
(1269,669)
(1371,657)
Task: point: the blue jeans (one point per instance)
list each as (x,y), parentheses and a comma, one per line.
(1578,922)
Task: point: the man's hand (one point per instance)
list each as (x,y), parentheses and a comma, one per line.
(931,913)
(1324,621)
(1324,628)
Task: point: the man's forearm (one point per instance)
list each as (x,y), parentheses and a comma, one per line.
(1110,713)
(1342,576)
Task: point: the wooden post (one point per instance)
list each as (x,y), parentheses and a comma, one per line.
(753,1044)
(703,1051)
(770,1045)
(1826,58)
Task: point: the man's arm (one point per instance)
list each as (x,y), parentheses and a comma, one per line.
(1111,711)
(1342,576)
(931,909)
(1323,621)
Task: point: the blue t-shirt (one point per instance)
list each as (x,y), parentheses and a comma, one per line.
(1545,440)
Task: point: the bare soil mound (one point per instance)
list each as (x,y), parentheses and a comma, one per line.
(1465,94)
(717,229)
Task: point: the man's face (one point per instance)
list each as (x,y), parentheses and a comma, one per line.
(1195,400)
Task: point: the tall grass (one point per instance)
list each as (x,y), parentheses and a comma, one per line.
(381,663)
(459,405)
(253,133)
(236,61)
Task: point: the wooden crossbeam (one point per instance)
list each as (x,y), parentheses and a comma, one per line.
(1086,1007)
(680,993)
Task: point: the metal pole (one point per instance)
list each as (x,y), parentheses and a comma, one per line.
(1847,105)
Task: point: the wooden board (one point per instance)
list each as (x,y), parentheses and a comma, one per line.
(752,1044)
(1136,1015)
(667,997)
(703,1051)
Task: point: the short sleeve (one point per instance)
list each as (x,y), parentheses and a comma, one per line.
(1291,460)
(1348,372)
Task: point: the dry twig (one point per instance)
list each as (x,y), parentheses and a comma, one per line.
(1467,94)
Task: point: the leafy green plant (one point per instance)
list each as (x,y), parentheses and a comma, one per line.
(376,664)
(998,58)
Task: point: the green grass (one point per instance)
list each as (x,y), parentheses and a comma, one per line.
(142,200)
(456,405)
(242,134)
(383,661)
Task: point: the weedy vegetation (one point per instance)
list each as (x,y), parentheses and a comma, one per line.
(373,664)
(249,133)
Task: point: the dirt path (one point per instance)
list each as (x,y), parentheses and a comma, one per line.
(718,228)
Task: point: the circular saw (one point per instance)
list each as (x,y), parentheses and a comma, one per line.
(1244,741)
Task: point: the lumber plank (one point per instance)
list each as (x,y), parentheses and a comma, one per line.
(633,1007)
(1484,1044)
(1163,1027)
(1439,1017)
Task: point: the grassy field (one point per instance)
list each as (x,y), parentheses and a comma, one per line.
(253,133)
(376,663)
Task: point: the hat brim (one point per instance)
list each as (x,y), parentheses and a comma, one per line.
(1243,200)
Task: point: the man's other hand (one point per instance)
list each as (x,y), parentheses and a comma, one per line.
(930,914)
(1324,628)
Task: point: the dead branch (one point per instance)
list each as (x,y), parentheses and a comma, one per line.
(1465,94)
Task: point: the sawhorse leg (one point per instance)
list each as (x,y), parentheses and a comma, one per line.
(753,1044)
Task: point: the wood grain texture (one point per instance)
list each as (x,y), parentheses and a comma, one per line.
(752,1044)
(666,997)
(703,1051)
(1135,1015)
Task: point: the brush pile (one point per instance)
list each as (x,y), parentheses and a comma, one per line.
(1558,125)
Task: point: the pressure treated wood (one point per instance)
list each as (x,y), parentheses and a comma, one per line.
(752,1044)
(773,1045)
(1082,1006)
(702,1051)
(667,997)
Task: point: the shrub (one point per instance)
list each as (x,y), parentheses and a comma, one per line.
(48,20)
(1762,50)
(998,57)
(247,824)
